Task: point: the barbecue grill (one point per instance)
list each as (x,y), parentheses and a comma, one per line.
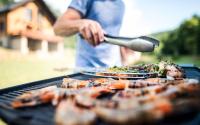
(44,114)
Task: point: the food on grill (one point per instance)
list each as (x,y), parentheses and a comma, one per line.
(109,83)
(34,97)
(163,69)
(112,101)
(75,83)
(54,95)
(88,102)
(117,84)
(50,94)
(174,72)
(144,113)
(67,113)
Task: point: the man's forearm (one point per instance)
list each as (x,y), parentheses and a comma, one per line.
(67,27)
(71,23)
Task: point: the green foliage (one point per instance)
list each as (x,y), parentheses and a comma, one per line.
(5,2)
(184,40)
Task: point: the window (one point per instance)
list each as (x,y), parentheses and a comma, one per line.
(28,14)
(2,26)
(39,20)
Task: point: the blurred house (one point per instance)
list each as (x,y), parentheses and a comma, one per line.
(28,26)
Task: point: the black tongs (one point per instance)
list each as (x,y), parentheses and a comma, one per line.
(141,44)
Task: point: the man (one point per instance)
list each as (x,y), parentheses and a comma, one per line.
(91,19)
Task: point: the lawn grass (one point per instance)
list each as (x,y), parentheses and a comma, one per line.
(16,68)
(2,123)
(188,60)
(14,72)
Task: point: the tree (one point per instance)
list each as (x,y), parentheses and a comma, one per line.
(5,2)
(185,39)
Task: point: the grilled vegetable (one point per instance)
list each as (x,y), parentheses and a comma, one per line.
(164,69)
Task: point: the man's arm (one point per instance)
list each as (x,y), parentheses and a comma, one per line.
(71,23)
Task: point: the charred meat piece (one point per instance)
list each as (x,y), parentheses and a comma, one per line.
(141,84)
(35,97)
(54,95)
(116,116)
(142,95)
(94,92)
(139,114)
(67,113)
(123,84)
(76,84)
(174,72)
(171,70)
(89,103)
(118,84)
(96,82)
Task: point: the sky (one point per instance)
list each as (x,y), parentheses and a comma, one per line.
(159,15)
(144,17)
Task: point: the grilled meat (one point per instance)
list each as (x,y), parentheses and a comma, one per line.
(76,84)
(115,101)
(135,115)
(67,113)
(35,97)
(54,95)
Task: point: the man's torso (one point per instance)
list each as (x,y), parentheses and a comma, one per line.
(109,14)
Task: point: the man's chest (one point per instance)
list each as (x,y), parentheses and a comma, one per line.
(107,12)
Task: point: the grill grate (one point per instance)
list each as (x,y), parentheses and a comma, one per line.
(44,114)
(37,115)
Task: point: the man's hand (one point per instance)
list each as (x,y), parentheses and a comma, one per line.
(91,31)
(71,22)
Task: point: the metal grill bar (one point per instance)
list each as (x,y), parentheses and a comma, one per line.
(14,94)
(6,98)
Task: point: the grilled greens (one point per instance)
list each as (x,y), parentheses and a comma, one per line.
(163,68)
